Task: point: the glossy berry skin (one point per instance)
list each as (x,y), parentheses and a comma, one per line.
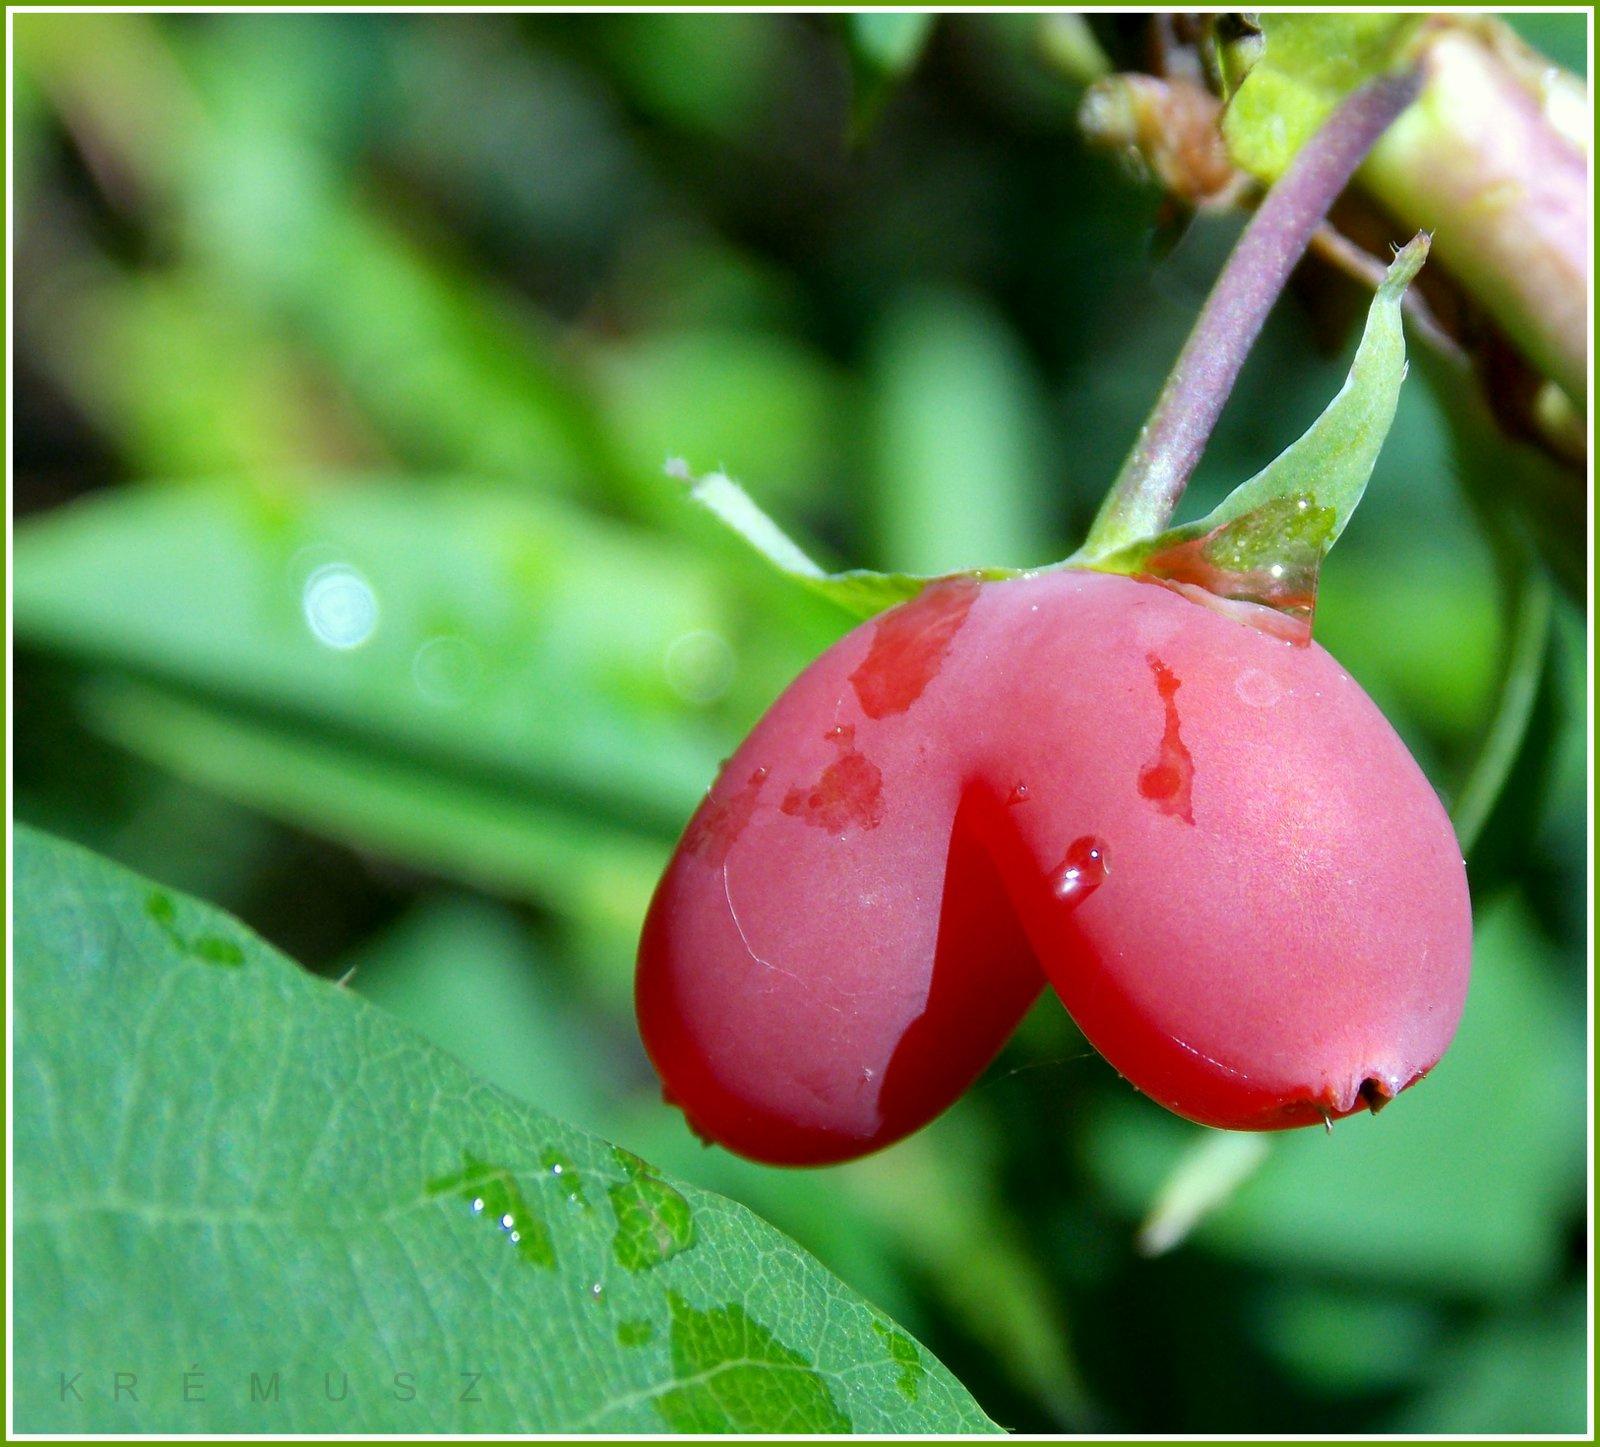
(1204,836)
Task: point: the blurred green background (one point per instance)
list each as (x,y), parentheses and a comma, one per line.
(351,595)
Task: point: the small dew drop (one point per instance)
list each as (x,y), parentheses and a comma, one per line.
(1081,871)
(839,731)
(340,607)
(515,1237)
(699,666)
(507,1221)
(445,669)
(597,1290)
(1257,688)
(1019,795)
(555,1169)
(477,1205)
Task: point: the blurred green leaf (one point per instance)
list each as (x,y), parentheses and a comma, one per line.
(1559,34)
(1513,482)
(225,1167)
(889,42)
(468,974)
(504,162)
(1527,1373)
(1507,734)
(1346,1339)
(1204,1179)
(466,627)
(186,378)
(748,399)
(884,47)
(287,279)
(959,439)
(1463,1187)
(1067,41)
(458,375)
(595,876)
(1422,629)
(719,78)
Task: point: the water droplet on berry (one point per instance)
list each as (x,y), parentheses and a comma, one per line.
(1257,688)
(1018,795)
(1082,871)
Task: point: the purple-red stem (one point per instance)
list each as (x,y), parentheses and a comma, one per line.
(1146,493)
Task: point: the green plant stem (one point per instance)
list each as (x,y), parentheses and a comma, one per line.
(1519,691)
(1146,493)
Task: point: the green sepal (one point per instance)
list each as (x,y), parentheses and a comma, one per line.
(859,591)
(1265,542)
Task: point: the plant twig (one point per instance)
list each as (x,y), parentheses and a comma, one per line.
(1152,480)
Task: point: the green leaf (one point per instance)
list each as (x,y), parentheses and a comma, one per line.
(959,437)
(1204,1179)
(540,702)
(1505,474)
(255,1203)
(465,628)
(1296,71)
(860,591)
(889,42)
(884,47)
(505,1007)
(720,391)
(1526,1374)
(1265,542)
(576,865)
(1505,738)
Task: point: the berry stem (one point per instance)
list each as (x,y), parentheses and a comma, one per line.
(1146,493)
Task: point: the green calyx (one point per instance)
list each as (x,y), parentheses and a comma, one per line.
(1266,541)
(1263,544)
